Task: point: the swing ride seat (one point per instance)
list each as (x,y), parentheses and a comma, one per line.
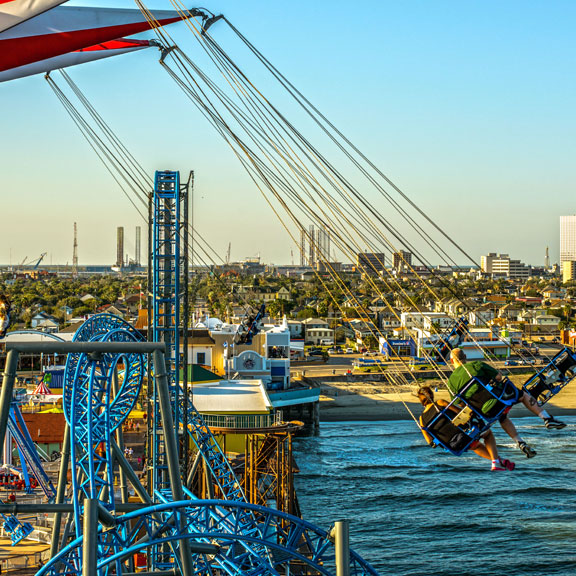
(455,427)
(547,382)
(452,338)
(488,400)
(17,530)
(471,413)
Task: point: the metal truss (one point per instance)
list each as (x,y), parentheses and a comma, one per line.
(291,543)
(94,411)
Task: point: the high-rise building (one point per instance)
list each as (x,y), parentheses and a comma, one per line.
(322,245)
(547,258)
(318,245)
(371,263)
(302,247)
(311,246)
(567,239)
(137,256)
(503,265)
(568,271)
(120,246)
(401,260)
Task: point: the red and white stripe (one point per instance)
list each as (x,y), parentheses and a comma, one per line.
(42,388)
(68,29)
(89,54)
(13,12)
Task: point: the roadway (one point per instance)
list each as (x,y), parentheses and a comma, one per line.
(340,364)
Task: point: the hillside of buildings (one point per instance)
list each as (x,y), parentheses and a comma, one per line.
(318,308)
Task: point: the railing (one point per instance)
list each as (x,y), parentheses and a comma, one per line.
(243,422)
(34,409)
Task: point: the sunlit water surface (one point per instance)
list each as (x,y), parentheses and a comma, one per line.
(418,511)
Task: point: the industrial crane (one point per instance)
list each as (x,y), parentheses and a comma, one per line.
(39,260)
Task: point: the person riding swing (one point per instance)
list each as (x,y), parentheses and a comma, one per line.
(490,405)
(452,436)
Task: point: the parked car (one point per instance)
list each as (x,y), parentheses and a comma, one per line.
(370,353)
(510,363)
(349,351)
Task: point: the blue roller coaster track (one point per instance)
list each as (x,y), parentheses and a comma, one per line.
(105,370)
(242,538)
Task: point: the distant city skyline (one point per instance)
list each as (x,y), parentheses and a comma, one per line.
(567,239)
(468,113)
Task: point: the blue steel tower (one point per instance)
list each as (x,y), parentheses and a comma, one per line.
(169,263)
(169,267)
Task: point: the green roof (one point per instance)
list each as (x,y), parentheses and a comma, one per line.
(197,373)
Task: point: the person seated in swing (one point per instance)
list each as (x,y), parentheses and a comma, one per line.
(4,315)
(485,447)
(464,371)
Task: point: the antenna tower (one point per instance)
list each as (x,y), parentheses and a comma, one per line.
(75,252)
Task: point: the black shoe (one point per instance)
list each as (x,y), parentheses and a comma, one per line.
(553,424)
(528,450)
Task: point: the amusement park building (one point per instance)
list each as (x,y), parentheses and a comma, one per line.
(266,357)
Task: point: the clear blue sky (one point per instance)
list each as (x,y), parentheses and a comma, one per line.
(467,106)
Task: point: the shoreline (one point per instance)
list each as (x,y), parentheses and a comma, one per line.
(365,401)
(387,417)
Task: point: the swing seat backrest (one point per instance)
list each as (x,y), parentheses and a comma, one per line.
(553,377)
(489,399)
(455,438)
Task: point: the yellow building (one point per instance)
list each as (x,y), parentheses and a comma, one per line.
(234,406)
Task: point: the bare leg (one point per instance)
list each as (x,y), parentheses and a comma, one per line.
(530,403)
(491,448)
(487,450)
(510,429)
(482,452)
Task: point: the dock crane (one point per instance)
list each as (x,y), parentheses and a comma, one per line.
(39,260)
(33,263)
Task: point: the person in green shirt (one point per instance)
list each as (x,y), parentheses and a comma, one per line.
(465,371)
(449,434)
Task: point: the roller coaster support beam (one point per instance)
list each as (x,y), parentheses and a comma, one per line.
(7,391)
(197,460)
(131,475)
(340,534)
(120,441)
(154,573)
(90,543)
(170,443)
(61,490)
(85,347)
(168,425)
(63,508)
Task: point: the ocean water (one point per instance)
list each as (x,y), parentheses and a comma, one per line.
(414,510)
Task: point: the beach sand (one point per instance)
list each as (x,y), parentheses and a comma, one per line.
(343,400)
